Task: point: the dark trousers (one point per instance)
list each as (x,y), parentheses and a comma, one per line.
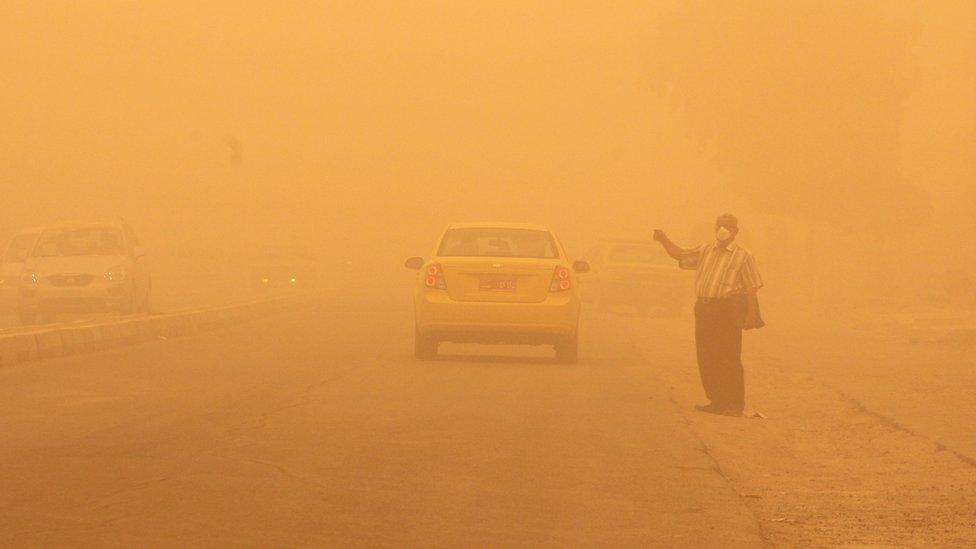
(718,340)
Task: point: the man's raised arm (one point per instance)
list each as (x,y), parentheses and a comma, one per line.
(673,250)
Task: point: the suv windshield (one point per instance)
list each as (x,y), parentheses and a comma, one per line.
(19,248)
(498,242)
(80,241)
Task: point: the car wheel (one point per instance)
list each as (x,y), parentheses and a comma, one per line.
(129,305)
(424,347)
(27,318)
(147,301)
(567,350)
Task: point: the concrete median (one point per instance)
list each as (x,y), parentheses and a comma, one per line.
(16,349)
(58,341)
(77,340)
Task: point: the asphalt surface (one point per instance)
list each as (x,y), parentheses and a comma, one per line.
(318,427)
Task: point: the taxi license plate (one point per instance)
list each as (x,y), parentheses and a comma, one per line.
(498,285)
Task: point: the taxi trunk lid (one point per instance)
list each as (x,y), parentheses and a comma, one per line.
(498,280)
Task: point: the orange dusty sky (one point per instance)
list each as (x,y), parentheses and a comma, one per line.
(365,126)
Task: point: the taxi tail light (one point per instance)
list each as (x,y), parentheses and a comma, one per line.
(434,277)
(561,280)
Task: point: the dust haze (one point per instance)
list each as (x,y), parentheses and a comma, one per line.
(845,132)
(343,136)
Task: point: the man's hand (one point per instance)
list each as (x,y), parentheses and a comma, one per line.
(670,247)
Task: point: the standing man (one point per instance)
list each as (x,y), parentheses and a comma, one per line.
(726,282)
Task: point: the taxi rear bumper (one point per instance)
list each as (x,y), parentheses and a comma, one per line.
(551,320)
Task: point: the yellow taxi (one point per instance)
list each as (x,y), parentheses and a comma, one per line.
(497,283)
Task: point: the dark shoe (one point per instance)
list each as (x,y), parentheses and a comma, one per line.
(709,408)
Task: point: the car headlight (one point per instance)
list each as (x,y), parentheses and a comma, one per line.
(292,280)
(29,278)
(116,274)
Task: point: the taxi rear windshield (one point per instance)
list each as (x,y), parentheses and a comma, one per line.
(498,242)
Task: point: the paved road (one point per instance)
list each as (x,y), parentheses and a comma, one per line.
(318,427)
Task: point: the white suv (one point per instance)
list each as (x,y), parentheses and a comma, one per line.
(84,268)
(12,264)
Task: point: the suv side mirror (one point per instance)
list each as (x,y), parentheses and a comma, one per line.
(414,263)
(581,266)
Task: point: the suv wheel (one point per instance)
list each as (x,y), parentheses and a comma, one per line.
(130,304)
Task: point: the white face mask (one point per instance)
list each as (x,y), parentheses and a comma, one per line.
(723,234)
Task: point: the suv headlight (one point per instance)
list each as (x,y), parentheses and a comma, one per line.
(116,274)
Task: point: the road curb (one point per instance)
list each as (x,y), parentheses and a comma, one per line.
(49,343)
(53,342)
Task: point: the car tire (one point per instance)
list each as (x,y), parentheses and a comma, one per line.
(424,347)
(567,350)
(130,305)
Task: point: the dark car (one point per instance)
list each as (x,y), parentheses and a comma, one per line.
(636,275)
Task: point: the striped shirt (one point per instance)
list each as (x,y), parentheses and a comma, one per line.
(721,272)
